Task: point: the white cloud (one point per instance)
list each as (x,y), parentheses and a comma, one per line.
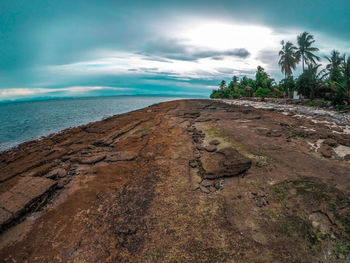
(198,35)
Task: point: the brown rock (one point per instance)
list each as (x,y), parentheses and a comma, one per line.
(5,217)
(343,139)
(193,163)
(121,156)
(326,151)
(214,142)
(224,162)
(347,157)
(56,173)
(253,117)
(92,159)
(195,179)
(207,183)
(274,133)
(331,142)
(204,189)
(22,196)
(210,148)
(261,131)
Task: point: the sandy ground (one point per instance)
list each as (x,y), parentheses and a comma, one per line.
(182,181)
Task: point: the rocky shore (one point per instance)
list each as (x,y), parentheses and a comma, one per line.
(182,181)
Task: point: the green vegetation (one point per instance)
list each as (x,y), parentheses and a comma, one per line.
(330,84)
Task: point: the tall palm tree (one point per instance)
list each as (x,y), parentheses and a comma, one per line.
(347,79)
(288,60)
(311,81)
(334,68)
(222,84)
(335,60)
(305,49)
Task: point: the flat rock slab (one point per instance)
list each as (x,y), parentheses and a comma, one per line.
(92,159)
(56,173)
(224,163)
(121,156)
(24,194)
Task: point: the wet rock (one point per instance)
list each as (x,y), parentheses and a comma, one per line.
(347,157)
(210,148)
(326,151)
(214,142)
(92,159)
(224,162)
(331,142)
(121,156)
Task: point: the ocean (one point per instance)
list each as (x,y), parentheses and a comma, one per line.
(25,121)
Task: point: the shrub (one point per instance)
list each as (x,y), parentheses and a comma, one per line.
(262,92)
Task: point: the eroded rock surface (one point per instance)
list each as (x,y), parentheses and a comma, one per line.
(144,187)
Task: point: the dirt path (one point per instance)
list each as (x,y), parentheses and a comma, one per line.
(182,181)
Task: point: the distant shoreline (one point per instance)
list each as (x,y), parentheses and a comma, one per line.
(96,97)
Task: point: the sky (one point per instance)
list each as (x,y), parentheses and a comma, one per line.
(65,48)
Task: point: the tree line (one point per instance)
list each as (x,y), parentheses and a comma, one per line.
(329,84)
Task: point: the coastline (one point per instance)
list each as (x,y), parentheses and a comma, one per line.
(30,120)
(147,185)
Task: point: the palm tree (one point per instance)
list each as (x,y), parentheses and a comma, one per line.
(335,60)
(288,60)
(311,81)
(347,79)
(305,49)
(222,84)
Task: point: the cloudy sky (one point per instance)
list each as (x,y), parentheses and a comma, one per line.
(82,48)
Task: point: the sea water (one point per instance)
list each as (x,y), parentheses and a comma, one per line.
(25,121)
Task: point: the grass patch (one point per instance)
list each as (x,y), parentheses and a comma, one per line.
(215,132)
(307,196)
(202,171)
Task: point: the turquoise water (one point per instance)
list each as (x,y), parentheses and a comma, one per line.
(25,121)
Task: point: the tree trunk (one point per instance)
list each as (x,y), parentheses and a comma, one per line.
(302,59)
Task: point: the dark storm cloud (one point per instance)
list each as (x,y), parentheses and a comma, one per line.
(177,49)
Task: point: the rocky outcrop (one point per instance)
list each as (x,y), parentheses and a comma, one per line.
(26,195)
(224,162)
